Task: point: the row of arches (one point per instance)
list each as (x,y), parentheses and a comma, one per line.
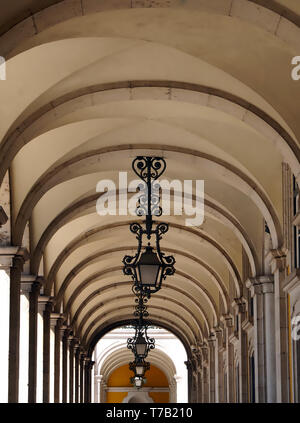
(205,84)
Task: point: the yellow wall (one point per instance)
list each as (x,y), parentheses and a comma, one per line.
(121,377)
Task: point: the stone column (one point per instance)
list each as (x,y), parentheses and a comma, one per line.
(212,369)
(205,373)
(173,389)
(262,290)
(12,260)
(188,364)
(33,341)
(57,358)
(89,385)
(199,376)
(46,304)
(240,307)
(14,328)
(228,322)
(87,379)
(205,384)
(219,364)
(72,342)
(194,387)
(77,373)
(277,260)
(103,391)
(65,364)
(97,388)
(32,285)
(55,323)
(81,391)
(200,386)
(100,379)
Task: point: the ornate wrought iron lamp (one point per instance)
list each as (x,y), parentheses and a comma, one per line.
(149,266)
(138,381)
(141,343)
(139,367)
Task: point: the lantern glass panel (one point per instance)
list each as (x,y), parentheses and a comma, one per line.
(141,345)
(138,382)
(139,370)
(148,274)
(148,267)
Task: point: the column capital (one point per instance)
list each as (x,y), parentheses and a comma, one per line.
(82,355)
(204,351)
(194,363)
(198,358)
(239,304)
(44,301)
(88,363)
(69,336)
(77,346)
(3,217)
(227,319)
(64,331)
(30,283)
(277,259)
(9,254)
(73,342)
(260,284)
(211,340)
(216,331)
(55,318)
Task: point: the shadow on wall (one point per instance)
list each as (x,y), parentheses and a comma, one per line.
(138,397)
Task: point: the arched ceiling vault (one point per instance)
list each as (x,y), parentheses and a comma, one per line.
(187,320)
(211,273)
(209,164)
(190,301)
(191,282)
(15,13)
(86,206)
(111,324)
(66,252)
(90,85)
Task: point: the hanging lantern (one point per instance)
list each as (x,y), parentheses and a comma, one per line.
(139,367)
(148,268)
(140,344)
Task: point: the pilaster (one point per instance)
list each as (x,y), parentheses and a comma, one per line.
(205,373)
(77,351)
(45,307)
(240,307)
(81,376)
(212,368)
(32,284)
(56,321)
(12,260)
(65,365)
(229,331)
(277,261)
(262,290)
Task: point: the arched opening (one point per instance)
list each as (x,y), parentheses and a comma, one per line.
(166,381)
(91,85)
